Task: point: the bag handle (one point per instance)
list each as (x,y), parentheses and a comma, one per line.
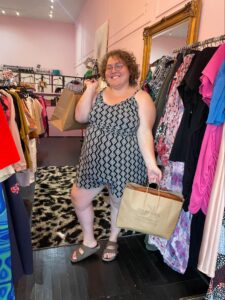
(146,194)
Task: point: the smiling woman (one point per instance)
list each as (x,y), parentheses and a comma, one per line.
(118,146)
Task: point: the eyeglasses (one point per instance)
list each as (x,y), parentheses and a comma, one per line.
(116,67)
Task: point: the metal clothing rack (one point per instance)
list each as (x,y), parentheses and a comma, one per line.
(208,42)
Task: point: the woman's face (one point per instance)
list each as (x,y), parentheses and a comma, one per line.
(117,73)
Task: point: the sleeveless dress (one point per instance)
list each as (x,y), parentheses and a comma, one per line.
(110,154)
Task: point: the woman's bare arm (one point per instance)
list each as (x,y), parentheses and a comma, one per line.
(85,103)
(147,115)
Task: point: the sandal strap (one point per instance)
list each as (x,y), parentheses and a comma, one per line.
(111,251)
(87,251)
(113,245)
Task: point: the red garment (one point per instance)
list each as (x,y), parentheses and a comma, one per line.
(8,150)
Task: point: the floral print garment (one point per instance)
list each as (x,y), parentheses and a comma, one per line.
(170,121)
(175,251)
(172,177)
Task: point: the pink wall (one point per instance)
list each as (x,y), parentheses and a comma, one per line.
(28,42)
(212,19)
(57,45)
(127,19)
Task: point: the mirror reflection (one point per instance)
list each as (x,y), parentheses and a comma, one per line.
(164,42)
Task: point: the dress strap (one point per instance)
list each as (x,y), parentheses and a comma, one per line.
(137,90)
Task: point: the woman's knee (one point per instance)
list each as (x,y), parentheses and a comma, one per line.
(77,198)
(81,197)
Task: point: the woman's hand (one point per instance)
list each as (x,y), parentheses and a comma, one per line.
(154,174)
(91,84)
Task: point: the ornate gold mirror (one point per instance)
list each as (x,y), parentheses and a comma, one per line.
(182,26)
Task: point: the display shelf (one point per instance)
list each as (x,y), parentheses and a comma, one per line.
(44,82)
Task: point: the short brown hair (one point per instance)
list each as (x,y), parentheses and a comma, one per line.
(128,58)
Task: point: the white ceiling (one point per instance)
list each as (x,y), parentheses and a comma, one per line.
(63,11)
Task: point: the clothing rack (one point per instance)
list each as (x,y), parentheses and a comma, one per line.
(207,42)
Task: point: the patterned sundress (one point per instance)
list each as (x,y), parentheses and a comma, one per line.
(110,153)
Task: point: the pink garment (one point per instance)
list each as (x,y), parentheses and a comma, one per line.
(212,228)
(210,72)
(204,175)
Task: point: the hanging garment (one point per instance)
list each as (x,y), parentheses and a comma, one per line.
(204,175)
(168,127)
(195,110)
(170,121)
(22,126)
(162,68)
(210,72)
(160,101)
(212,228)
(192,126)
(6,173)
(8,150)
(175,251)
(19,230)
(217,284)
(6,284)
(21,164)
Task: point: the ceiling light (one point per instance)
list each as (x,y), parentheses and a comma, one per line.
(51,6)
(51,12)
(17,13)
(3,12)
(50,15)
(52,1)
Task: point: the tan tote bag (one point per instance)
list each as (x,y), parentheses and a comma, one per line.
(63,115)
(149,210)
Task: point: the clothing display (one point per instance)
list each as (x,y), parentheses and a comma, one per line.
(189,141)
(204,175)
(154,80)
(116,158)
(22,123)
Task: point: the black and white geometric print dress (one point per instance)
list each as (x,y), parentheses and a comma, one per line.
(110,154)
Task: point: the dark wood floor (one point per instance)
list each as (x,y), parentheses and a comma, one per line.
(136,274)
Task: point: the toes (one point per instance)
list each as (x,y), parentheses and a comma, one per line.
(74,255)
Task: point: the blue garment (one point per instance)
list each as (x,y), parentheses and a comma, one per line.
(6,285)
(217,106)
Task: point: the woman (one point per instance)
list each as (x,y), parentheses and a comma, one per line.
(118,146)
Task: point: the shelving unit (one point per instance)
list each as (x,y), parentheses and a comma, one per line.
(51,82)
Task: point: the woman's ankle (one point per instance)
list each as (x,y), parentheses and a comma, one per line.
(90,243)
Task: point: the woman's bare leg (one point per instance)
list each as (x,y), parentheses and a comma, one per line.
(82,202)
(115,203)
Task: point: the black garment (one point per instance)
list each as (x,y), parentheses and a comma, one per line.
(197,227)
(188,140)
(161,100)
(19,231)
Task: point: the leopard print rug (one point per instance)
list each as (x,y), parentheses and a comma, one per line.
(54,222)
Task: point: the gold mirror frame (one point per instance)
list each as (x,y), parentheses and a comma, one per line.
(190,12)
